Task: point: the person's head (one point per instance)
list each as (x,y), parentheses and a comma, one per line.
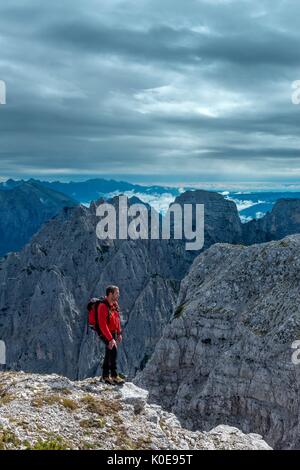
(112,293)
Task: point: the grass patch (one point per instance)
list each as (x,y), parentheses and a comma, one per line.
(88,446)
(125,442)
(52,443)
(101,407)
(6,438)
(143,443)
(6,398)
(97,423)
(42,400)
(69,404)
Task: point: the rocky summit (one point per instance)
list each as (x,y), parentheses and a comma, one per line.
(53,413)
(226,356)
(222,222)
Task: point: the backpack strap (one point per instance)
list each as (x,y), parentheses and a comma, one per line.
(104,301)
(97,327)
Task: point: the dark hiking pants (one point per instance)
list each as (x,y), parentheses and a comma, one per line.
(110,360)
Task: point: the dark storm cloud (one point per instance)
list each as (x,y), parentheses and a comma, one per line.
(164,43)
(177,87)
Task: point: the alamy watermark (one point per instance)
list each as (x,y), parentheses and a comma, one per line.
(296,353)
(2,92)
(2,352)
(296,93)
(144,223)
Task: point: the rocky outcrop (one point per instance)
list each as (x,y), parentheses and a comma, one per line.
(283,220)
(23,210)
(226,357)
(222,222)
(52,413)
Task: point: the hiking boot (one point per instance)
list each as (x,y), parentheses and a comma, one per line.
(118,380)
(108,380)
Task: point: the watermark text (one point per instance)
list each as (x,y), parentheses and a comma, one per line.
(182,222)
(296,353)
(296,93)
(2,352)
(2,92)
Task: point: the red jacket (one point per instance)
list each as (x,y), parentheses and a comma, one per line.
(114,324)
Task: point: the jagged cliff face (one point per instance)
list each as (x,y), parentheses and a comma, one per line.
(45,289)
(225,357)
(23,210)
(284,219)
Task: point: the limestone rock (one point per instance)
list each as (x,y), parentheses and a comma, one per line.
(226,357)
(51,412)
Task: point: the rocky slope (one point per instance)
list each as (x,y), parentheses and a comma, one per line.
(23,210)
(225,357)
(51,412)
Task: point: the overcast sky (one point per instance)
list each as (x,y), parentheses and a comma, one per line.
(150,90)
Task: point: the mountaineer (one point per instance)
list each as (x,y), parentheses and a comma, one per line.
(104,318)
